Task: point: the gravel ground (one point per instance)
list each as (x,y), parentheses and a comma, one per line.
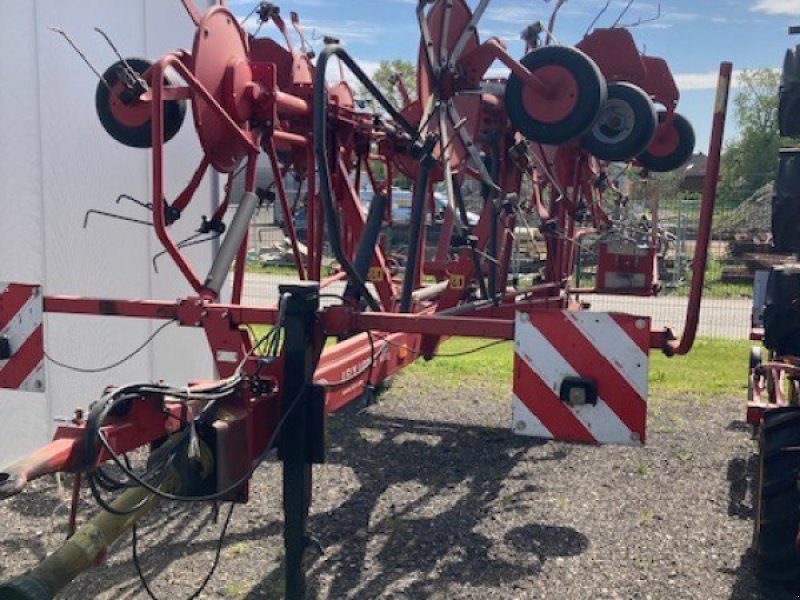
(427,495)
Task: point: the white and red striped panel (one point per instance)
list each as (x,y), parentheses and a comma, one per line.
(610,349)
(21,313)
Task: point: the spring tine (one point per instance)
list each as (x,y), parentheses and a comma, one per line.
(63,34)
(597,18)
(131,72)
(112,216)
(623,13)
(190,241)
(641,21)
(146,205)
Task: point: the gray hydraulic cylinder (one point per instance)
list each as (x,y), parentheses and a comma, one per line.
(230,245)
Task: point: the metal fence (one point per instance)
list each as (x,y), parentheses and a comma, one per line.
(740,247)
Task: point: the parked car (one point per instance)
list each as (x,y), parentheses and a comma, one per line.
(401,205)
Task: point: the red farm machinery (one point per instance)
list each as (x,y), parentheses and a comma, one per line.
(539,144)
(773,408)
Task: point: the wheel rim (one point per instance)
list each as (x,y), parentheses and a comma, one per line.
(558,101)
(665,141)
(615,123)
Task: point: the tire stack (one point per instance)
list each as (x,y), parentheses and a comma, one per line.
(786,194)
(777,502)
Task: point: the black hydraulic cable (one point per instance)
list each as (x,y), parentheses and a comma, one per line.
(476,259)
(489,196)
(321,154)
(209,575)
(369,238)
(115,364)
(415,231)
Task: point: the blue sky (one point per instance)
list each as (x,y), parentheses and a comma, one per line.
(694,36)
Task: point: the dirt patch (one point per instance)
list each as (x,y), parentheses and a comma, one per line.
(427,495)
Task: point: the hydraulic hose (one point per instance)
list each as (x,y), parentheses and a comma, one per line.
(321,154)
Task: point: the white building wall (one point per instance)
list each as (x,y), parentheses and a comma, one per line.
(56,162)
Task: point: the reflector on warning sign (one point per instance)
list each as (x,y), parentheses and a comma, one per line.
(581,376)
(21,337)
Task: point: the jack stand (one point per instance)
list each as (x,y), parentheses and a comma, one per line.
(300,362)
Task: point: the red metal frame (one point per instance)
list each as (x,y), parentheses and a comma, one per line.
(562,176)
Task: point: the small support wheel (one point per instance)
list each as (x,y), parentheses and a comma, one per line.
(777,502)
(126,118)
(625,126)
(672,145)
(574,90)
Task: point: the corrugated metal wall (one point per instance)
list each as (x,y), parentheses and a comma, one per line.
(56,162)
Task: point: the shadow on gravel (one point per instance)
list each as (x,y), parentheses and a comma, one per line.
(177,531)
(435,538)
(741,481)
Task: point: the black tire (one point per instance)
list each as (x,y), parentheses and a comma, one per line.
(786,202)
(139,136)
(777,506)
(591,95)
(675,157)
(625,125)
(789,97)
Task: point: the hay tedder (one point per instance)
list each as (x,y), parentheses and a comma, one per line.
(538,146)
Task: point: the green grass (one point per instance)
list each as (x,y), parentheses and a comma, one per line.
(492,364)
(282,270)
(713,367)
(714,286)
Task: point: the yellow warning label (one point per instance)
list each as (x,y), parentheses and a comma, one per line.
(457,282)
(375,274)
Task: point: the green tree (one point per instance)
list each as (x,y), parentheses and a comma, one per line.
(751,161)
(385,76)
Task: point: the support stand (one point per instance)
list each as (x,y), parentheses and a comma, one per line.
(300,363)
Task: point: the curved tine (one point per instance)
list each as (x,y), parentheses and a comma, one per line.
(597,18)
(147,205)
(103,213)
(427,39)
(623,13)
(119,56)
(641,21)
(182,244)
(468,31)
(455,119)
(63,34)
